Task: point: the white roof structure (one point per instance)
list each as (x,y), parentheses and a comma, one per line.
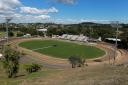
(99,39)
(85,39)
(82,38)
(1,55)
(27,35)
(113,39)
(42,30)
(63,36)
(69,37)
(74,37)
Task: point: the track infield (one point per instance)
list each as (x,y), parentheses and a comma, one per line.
(61,49)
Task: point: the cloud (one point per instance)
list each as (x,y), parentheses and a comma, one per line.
(44,17)
(67,21)
(66,1)
(23,13)
(8,6)
(95,20)
(69,2)
(30,10)
(32,18)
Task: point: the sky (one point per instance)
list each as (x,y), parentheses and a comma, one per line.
(64,11)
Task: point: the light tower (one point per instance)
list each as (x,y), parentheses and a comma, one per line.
(91,25)
(116,24)
(8,19)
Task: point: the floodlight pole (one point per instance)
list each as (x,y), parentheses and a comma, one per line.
(7,30)
(90,31)
(117,29)
(8,19)
(116,25)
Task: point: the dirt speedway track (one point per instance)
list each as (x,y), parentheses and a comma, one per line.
(52,62)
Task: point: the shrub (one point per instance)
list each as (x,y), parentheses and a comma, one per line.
(30,68)
(19,34)
(76,61)
(10,34)
(73,61)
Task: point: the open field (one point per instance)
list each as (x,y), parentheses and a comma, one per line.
(62,49)
(91,75)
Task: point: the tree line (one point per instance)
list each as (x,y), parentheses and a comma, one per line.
(93,30)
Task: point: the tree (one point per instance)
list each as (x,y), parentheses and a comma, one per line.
(10,34)
(77,61)
(11,61)
(19,34)
(73,61)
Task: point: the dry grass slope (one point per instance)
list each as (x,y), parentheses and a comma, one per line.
(102,75)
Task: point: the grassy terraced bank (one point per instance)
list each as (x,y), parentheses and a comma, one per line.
(62,49)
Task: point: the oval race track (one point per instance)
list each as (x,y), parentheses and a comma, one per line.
(56,63)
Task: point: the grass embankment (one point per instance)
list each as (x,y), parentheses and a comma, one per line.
(62,49)
(22,76)
(91,75)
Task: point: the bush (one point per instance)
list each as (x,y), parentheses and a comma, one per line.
(10,34)
(32,68)
(19,34)
(76,61)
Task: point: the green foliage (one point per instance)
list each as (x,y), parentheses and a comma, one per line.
(40,33)
(2,34)
(19,34)
(31,30)
(124,43)
(11,61)
(92,30)
(98,30)
(10,34)
(54,31)
(32,68)
(76,61)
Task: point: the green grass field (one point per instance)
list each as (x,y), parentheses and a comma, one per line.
(2,34)
(62,49)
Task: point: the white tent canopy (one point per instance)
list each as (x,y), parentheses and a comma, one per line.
(113,39)
(42,30)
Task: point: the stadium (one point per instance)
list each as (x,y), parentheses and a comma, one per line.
(61,53)
(63,42)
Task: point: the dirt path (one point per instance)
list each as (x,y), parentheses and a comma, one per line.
(53,62)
